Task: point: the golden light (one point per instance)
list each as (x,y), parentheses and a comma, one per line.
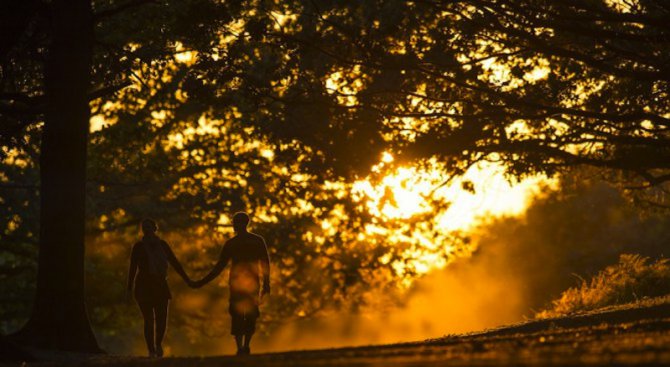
(404,194)
(482,193)
(397,196)
(184,56)
(494,196)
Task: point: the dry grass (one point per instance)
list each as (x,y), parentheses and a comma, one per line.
(634,279)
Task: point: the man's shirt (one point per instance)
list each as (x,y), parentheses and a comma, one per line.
(250,260)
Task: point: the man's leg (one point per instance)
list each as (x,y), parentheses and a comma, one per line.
(243,321)
(239,341)
(247,340)
(236,330)
(249,330)
(161,311)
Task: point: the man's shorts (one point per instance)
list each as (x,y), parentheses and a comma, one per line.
(244,312)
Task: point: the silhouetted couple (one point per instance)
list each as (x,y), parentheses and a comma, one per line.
(148,276)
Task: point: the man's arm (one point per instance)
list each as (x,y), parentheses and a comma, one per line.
(172,259)
(265,269)
(218,268)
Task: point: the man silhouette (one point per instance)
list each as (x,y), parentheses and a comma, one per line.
(250,261)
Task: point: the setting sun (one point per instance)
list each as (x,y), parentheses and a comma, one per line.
(405,193)
(422,210)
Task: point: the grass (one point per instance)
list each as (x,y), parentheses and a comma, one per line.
(633,279)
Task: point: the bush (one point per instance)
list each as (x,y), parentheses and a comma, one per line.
(635,277)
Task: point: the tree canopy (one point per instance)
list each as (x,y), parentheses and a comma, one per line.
(536,84)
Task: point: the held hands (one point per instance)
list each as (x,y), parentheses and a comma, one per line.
(190,283)
(266,288)
(264,291)
(195,284)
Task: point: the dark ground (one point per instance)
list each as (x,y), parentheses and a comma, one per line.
(631,335)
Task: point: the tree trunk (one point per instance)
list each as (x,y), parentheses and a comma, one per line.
(59,319)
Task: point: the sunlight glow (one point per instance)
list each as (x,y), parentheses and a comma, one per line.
(404,194)
(184,56)
(494,196)
(420,211)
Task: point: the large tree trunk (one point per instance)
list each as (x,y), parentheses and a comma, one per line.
(59,319)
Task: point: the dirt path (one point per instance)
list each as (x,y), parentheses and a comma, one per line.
(632,336)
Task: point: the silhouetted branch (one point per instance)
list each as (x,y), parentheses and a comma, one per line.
(121,8)
(14,271)
(22,104)
(17,250)
(4,185)
(107,90)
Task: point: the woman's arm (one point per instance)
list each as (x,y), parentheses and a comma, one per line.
(218,268)
(175,263)
(132,271)
(265,269)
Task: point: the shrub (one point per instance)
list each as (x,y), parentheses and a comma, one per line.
(635,277)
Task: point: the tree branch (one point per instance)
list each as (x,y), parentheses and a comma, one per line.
(121,8)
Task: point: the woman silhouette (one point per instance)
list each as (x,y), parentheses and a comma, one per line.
(148,276)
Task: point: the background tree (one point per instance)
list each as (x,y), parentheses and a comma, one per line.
(59,319)
(56,38)
(536,85)
(165,154)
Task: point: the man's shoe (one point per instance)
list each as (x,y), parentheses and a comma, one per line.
(246,350)
(159,352)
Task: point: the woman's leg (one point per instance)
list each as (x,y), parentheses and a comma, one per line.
(161,311)
(147,310)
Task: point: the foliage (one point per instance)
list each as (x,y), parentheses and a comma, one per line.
(191,139)
(202,108)
(538,85)
(635,277)
(579,227)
